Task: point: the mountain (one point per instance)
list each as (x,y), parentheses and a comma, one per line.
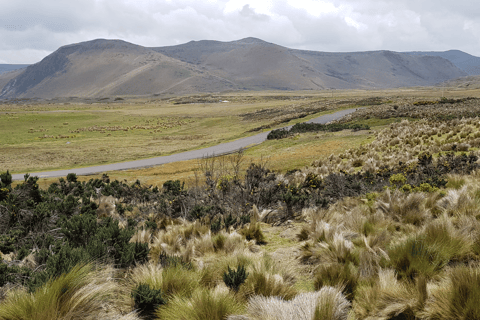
(104,68)
(464,61)
(4,68)
(101,68)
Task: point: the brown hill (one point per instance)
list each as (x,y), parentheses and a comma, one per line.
(255,64)
(103,68)
(113,67)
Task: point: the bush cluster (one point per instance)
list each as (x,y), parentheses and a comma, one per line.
(314,127)
(59,228)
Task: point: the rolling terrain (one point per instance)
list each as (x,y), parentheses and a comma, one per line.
(466,62)
(101,68)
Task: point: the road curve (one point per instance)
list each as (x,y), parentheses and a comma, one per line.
(219,149)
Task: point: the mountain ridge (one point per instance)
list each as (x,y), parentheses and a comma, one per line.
(102,67)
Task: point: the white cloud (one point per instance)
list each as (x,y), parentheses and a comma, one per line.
(31,29)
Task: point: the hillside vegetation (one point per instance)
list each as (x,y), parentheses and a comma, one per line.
(384,230)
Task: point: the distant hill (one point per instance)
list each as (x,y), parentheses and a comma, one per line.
(10,67)
(464,61)
(101,68)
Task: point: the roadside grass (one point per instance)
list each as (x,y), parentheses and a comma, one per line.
(64,136)
(279,155)
(182,126)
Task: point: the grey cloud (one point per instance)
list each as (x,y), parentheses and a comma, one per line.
(35,27)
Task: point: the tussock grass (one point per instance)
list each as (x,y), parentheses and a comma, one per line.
(456,296)
(83,293)
(403,208)
(173,281)
(343,276)
(204,304)
(430,251)
(327,303)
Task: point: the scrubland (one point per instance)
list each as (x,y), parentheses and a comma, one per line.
(383,228)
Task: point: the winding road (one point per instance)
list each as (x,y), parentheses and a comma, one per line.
(219,149)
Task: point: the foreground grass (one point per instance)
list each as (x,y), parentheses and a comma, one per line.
(406,252)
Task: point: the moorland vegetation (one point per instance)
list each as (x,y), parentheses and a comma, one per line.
(385,230)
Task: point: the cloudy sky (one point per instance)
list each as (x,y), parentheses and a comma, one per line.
(32,29)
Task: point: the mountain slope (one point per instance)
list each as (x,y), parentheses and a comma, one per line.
(464,61)
(100,68)
(256,64)
(4,68)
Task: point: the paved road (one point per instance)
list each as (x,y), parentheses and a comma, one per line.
(222,148)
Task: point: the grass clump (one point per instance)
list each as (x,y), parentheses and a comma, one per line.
(327,303)
(344,276)
(430,251)
(82,293)
(253,232)
(457,296)
(204,304)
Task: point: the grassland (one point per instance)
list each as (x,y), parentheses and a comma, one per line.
(58,134)
(378,224)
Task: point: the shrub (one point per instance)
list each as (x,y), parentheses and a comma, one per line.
(147,300)
(278,134)
(397,180)
(173,187)
(167,261)
(72,177)
(234,278)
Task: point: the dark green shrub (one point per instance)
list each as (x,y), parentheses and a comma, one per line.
(278,134)
(173,187)
(72,177)
(199,211)
(22,253)
(147,300)
(14,274)
(152,225)
(170,261)
(234,278)
(140,252)
(229,221)
(216,225)
(6,180)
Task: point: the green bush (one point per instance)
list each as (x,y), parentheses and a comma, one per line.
(169,261)
(234,278)
(147,300)
(173,187)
